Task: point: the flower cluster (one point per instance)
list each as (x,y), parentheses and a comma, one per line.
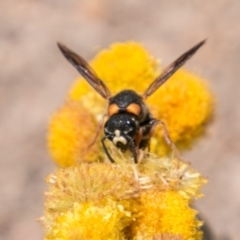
(123,201)
(88,197)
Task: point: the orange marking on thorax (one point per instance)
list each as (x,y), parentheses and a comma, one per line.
(113,109)
(132,108)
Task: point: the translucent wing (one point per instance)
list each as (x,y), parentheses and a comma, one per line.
(86,71)
(171,69)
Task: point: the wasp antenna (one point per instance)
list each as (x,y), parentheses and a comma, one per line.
(171,69)
(85,70)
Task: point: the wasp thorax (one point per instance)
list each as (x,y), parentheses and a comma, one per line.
(121,129)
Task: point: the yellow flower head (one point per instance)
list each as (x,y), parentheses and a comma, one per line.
(90,221)
(167,236)
(68,136)
(185,105)
(166,212)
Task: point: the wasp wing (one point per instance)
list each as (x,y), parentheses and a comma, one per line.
(170,70)
(85,70)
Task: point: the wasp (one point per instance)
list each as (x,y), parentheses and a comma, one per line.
(130,124)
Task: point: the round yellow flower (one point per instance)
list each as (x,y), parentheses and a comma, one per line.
(71,131)
(185,105)
(166,212)
(90,221)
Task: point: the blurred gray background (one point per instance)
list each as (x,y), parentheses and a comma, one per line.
(34,79)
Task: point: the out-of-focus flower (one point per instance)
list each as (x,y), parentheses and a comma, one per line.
(141,200)
(185,105)
(71,130)
(166,236)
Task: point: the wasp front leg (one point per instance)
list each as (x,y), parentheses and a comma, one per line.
(138,140)
(166,136)
(143,137)
(99,128)
(106,150)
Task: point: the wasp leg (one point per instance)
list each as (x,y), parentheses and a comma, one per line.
(153,123)
(145,133)
(167,138)
(105,149)
(133,148)
(139,137)
(99,128)
(137,142)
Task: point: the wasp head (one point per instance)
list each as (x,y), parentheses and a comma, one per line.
(121,129)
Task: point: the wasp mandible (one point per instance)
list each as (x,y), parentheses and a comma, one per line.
(130,124)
